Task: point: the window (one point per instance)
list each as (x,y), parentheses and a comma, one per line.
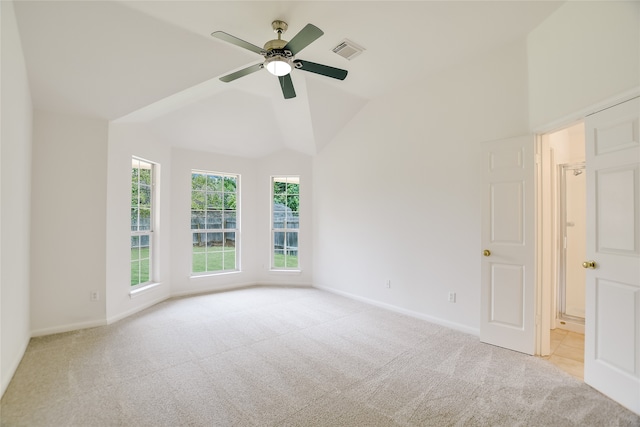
(214,222)
(285,214)
(141,221)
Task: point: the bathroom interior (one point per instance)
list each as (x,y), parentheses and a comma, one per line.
(564,245)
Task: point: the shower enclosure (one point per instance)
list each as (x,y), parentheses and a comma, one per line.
(572,245)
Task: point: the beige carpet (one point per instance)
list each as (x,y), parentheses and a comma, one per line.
(289,357)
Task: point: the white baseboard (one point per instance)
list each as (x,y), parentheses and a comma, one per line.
(13,367)
(124,314)
(418,315)
(212,289)
(95,323)
(111,319)
(285,285)
(68,327)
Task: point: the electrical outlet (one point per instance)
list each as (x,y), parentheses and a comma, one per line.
(388,283)
(452,297)
(94,296)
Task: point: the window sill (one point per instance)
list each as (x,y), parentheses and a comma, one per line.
(144,289)
(224,273)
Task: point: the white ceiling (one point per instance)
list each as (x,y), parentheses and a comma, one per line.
(155,62)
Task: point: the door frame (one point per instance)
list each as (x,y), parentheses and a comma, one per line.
(544,293)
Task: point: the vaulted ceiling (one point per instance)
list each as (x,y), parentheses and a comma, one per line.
(155,62)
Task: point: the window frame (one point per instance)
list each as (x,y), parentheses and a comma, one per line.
(150,233)
(273,230)
(223,230)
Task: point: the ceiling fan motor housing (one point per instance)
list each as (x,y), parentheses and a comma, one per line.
(276,44)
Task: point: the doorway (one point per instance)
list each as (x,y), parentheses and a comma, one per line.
(572,247)
(563,248)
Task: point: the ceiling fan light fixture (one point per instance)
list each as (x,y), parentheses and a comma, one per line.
(278,65)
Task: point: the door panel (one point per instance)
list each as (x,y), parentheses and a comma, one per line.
(612,329)
(616,216)
(615,303)
(508,288)
(507,295)
(506,212)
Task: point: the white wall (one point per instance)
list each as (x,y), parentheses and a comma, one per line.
(397,193)
(126,141)
(15,211)
(68,222)
(254,219)
(583,54)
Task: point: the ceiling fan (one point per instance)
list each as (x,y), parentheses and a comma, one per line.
(280,56)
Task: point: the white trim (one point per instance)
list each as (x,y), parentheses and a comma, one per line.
(284,272)
(13,367)
(213,274)
(542,344)
(68,327)
(578,116)
(143,289)
(286,285)
(236,287)
(220,288)
(236,231)
(273,230)
(153,218)
(136,309)
(418,315)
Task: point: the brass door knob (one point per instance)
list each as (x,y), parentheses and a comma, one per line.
(589,264)
(486,252)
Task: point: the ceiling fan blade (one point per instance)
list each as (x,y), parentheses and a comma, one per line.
(238,42)
(287,86)
(303,39)
(325,70)
(241,73)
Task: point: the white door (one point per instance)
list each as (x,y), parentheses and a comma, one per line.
(612,328)
(508,246)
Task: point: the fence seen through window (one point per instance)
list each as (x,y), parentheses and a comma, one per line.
(141,221)
(214,222)
(285,216)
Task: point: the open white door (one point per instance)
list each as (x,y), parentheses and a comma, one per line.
(612,328)
(508,244)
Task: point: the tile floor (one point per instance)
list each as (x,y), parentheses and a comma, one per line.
(567,352)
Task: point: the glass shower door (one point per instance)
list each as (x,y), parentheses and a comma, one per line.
(571,288)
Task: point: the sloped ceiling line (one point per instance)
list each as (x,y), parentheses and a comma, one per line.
(154,62)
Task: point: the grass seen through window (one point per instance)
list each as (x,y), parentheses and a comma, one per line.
(213,258)
(139,265)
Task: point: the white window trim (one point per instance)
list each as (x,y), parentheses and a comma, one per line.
(272,231)
(213,273)
(236,230)
(151,232)
(142,289)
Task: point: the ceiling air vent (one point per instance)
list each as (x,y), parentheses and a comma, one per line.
(348,49)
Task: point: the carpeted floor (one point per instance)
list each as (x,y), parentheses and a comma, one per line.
(289,357)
